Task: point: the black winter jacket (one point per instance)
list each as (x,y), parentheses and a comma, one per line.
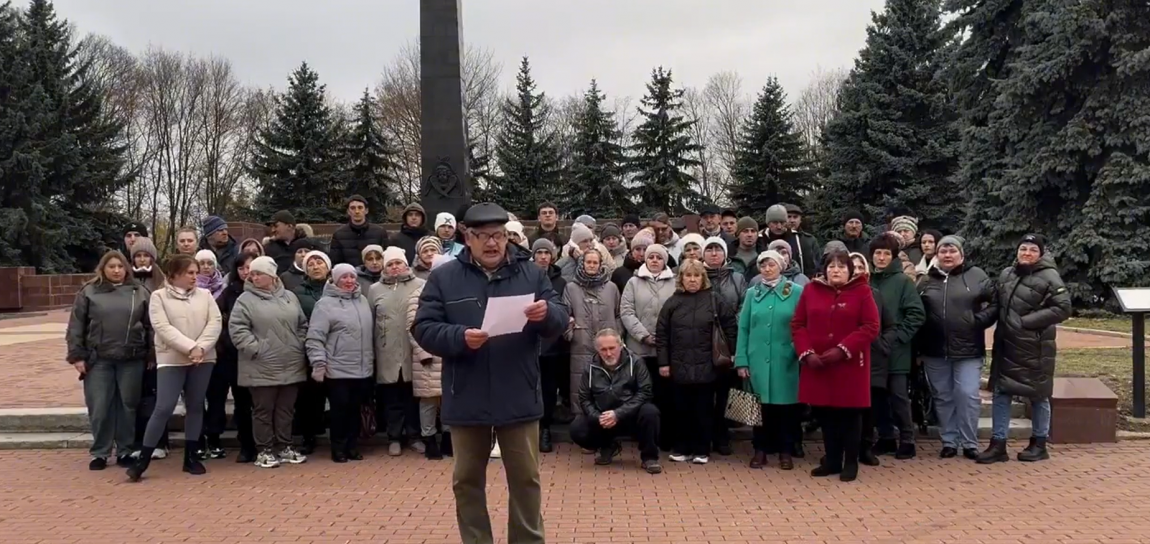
(110,322)
(280,251)
(406,240)
(959,306)
(557,345)
(624,389)
(225,350)
(683,334)
(349,241)
(623,274)
(731,286)
(1032,300)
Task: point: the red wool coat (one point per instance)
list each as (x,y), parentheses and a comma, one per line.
(828,318)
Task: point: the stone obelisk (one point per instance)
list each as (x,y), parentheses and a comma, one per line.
(445,180)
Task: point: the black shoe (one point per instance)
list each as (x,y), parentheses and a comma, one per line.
(136,471)
(970,453)
(724,448)
(850,472)
(338,456)
(866,457)
(353,455)
(994,453)
(811,427)
(607,454)
(192,464)
(215,448)
(823,471)
(125,461)
(246,456)
(905,451)
(98,463)
(948,452)
(545,444)
(652,466)
(445,445)
(431,449)
(308,446)
(1035,452)
(885,446)
(798,452)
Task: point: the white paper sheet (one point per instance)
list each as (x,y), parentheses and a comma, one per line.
(504,315)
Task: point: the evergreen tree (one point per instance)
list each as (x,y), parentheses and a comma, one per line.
(771,163)
(663,153)
(371,161)
(526,155)
(298,161)
(596,184)
(891,148)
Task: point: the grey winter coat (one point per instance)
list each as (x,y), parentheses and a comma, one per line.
(642,299)
(389,299)
(339,335)
(110,322)
(594,309)
(268,329)
(1032,301)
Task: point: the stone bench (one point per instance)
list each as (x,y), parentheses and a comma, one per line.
(1083,411)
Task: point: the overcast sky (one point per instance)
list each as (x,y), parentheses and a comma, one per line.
(569,41)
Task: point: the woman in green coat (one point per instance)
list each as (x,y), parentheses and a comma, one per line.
(766,358)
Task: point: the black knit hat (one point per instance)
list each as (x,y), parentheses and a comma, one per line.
(136,227)
(1036,239)
(631,219)
(853,214)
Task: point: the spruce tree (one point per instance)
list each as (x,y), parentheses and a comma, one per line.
(662,152)
(597,161)
(298,160)
(370,161)
(891,147)
(771,163)
(526,155)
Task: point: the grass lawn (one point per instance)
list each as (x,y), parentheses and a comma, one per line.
(1116,324)
(1111,365)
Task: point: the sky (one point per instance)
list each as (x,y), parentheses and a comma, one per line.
(618,42)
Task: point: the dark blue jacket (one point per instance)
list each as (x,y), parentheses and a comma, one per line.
(498,384)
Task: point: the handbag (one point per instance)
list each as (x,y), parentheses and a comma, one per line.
(743,405)
(720,349)
(367,420)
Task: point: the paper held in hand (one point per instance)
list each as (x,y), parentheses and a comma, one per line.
(505,315)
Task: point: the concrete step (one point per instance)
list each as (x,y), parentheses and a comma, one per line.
(10,440)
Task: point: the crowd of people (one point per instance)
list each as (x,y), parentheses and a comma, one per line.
(641,328)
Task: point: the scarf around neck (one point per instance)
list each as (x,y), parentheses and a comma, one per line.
(587,280)
(214,283)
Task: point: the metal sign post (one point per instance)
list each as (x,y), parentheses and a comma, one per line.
(1136,302)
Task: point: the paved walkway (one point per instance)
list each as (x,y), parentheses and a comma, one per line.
(33,373)
(1083,494)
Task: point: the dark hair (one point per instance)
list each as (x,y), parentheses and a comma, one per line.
(177,264)
(241,259)
(936,234)
(729,213)
(840,256)
(546,205)
(885,241)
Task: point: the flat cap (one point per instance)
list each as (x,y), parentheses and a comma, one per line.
(485,213)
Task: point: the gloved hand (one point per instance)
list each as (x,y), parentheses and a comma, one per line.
(833,355)
(813,361)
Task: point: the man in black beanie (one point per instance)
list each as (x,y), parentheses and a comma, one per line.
(853,233)
(132,231)
(631,225)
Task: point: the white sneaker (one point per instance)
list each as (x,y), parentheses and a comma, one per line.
(159,453)
(678,458)
(267,459)
(700,459)
(495,453)
(289,455)
(419,447)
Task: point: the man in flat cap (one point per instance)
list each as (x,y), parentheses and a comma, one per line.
(490,383)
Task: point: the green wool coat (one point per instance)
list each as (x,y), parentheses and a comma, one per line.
(764,342)
(899,295)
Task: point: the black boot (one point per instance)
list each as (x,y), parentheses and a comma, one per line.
(906,450)
(308,446)
(337,455)
(994,453)
(246,456)
(192,464)
(136,471)
(867,455)
(1036,451)
(545,444)
(431,449)
(885,446)
(445,444)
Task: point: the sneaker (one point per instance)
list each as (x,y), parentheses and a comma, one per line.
(906,451)
(419,447)
(495,453)
(607,455)
(216,452)
(267,459)
(289,455)
(700,460)
(652,466)
(395,449)
(98,463)
(160,453)
(679,458)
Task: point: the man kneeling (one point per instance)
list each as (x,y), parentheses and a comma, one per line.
(615,393)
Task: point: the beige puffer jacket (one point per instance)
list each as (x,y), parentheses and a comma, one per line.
(393,345)
(426,378)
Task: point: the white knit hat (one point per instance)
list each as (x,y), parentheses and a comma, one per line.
(773,255)
(319,255)
(444,218)
(341,270)
(692,238)
(581,233)
(264,265)
(394,254)
(206,255)
(715,241)
(372,247)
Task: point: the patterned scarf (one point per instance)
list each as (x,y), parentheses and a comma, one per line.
(214,283)
(586,280)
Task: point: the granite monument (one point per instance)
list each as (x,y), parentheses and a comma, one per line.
(445,180)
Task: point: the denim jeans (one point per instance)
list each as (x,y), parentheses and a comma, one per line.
(112,392)
(955,383)
(1039,413)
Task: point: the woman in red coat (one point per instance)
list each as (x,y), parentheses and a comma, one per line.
(834,324)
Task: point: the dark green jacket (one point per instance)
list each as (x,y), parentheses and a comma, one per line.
(309,292)
(899,295)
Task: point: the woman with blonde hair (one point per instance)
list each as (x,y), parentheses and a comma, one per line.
(109,340)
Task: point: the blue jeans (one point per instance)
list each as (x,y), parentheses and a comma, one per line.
(955,383)
(1039,413)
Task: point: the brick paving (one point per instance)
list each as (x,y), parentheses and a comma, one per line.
(1083,494)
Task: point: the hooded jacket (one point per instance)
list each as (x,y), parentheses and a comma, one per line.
(836,318)
(184,320)
(960,306)
(110,322)
(683,334)
(226,257)
(1032,301)
(268,329)
(625,271)
(408,236)
(339,334)
(393,347)
(366,278)
(624,388)
(642,300)
(594,309)
(897,294)
(426,369)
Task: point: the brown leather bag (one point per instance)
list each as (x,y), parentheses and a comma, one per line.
(720,349)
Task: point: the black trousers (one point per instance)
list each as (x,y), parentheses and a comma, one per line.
(871,416)
(777,434)
(310,404)
(224,379)
(145,409)
(397,410)
(347,398)
(663,397)
(696,405)
(721,426)
(842,433)
(643,424)
(553,372)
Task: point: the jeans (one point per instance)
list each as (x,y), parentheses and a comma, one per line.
(1039,416)
(779,431)
(955,383)
(347,398)
(892,414)
(112,393)
(397,410)
(429,409)
(273,408)
(696,404)
(643,424)
(171,381)
(519,444)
